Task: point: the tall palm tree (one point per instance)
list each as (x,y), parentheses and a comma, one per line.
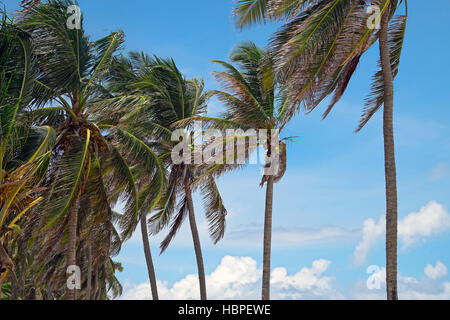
(253,101)
(114,110)
(318,50)
(158,96)
(71,71)
(24,150)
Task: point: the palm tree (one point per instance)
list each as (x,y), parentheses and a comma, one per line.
(318,50)
(24,150)
(251,97)
(70,73)
(158,96)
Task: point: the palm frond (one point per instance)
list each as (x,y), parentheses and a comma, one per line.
(123,176)
(214,209)
(312,52)
(104,50)
(72,167)
(250,12)
(397,32)
(62,53)
(182,213)
(166,206)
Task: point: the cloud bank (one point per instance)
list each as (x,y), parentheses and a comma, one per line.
(431,220)
(238,278)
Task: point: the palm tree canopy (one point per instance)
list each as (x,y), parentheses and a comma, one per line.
(150,95)
(24,150)
(253,99)
(319,48)
(90,165)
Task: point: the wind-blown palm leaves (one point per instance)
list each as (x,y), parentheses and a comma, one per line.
(253,100)
(315,55)
(27,5)
(87,162)
(151,95)
(318,49)
(83,129)
(249,12)
(23,150)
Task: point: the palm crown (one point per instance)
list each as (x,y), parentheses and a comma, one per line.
(87,159)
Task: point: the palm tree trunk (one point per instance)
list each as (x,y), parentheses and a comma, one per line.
(267,240)
(72,243)
(148,258)
(390,168)
(197,246)
(89,275)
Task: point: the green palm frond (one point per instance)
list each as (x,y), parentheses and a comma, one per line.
(247,91)
(21,184)
(397,32)
(37,142)
(72,170)
(214,209)
(51,116)
(62,53)
(112,110)
(140,151)
(137,147)
(250,12)
(103,50)
(166,206)
(287,9)
(15,85)
(177,221)
(123,178)
(311,50)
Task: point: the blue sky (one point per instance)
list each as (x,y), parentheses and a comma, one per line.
(335,179)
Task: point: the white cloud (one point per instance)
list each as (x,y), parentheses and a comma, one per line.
(371,232)
(440,292)
(437,272)
(239,278)
(282,236)
(308,282)
(431,220)
(409,288)
(251,236)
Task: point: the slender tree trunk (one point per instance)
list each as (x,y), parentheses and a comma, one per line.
(390,168)
(148,258)
(72,244)
(89,275)
(197,246)
(267,240)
